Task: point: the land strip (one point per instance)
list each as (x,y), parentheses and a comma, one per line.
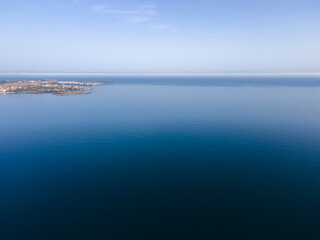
(49,86)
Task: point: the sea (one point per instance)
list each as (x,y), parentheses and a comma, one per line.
(163,158)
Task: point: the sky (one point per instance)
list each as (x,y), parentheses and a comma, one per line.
(160,36)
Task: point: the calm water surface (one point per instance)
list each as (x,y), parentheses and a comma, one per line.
(163,158)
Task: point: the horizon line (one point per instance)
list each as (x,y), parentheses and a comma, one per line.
(292,74)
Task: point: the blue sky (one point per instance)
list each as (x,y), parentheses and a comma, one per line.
(167,36)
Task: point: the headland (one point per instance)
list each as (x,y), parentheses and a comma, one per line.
(48,86)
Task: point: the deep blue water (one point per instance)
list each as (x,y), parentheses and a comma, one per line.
(163,158)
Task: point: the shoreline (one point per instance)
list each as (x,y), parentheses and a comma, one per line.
(48,86)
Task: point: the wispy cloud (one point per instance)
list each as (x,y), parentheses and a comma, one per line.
(70,4)
(135,14)
(77,1)
(60,5)
(161,26)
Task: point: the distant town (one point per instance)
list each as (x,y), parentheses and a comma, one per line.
(49,86)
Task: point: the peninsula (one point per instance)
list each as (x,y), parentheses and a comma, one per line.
(49,86)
